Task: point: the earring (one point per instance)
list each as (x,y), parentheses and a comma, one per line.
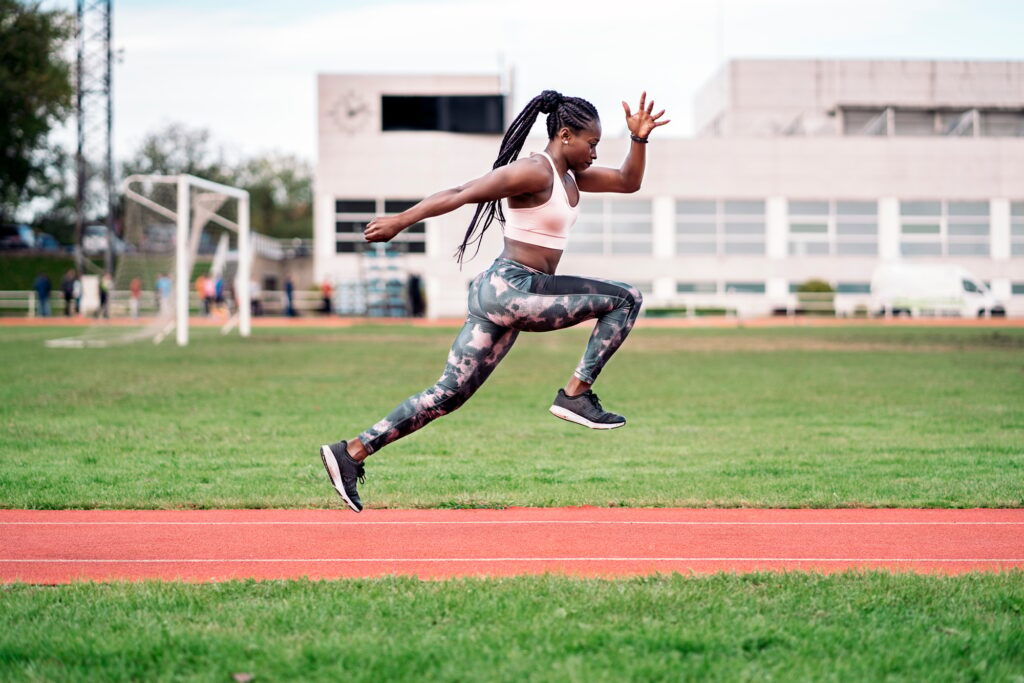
(564,141)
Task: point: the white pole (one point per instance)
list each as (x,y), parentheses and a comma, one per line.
(182,275)
(244,268)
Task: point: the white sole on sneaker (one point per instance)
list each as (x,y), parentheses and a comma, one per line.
(570,416)
(334,474)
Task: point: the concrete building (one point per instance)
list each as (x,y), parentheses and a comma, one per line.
(801,169)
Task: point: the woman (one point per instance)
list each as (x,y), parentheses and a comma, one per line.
(520,291)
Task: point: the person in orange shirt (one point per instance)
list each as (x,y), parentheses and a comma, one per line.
(325,292)
(136,291)
(201,291)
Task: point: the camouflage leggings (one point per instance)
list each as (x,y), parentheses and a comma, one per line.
(504,300)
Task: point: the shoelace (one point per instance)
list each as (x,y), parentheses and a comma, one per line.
(594,401)
(361,474)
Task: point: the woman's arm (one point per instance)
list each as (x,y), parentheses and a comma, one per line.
(520,177)
(628,177)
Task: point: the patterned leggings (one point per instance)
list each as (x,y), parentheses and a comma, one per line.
(504,300)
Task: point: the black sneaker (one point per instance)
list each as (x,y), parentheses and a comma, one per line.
(343,471)
(585,410)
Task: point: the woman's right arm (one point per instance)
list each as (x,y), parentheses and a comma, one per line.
(524,176)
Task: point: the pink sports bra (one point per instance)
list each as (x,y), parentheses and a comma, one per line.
(546,225)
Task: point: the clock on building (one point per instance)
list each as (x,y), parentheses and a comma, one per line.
(350,112)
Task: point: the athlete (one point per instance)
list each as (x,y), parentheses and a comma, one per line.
(520,291)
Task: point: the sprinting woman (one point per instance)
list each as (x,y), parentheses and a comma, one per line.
(520,291)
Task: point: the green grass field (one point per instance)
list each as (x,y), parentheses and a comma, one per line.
(773,417)
(761,627)
(768,417)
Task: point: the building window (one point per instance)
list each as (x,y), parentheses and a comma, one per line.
(1017,288)
(744,288)
(843,228)
(450,113)
(613,226)
(723,227)
(967,225)
(853,288)
(1017,228)
(352,215)
(944,228)
(696,287)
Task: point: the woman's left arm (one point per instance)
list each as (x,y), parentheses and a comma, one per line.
(628,177)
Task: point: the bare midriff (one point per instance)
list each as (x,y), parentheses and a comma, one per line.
(536,257)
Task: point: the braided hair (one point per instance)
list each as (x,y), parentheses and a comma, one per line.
(572,112)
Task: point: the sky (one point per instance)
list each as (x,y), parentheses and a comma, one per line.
(246,69)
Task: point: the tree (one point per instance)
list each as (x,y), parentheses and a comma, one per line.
(178,149)
(35,95)
(280,194)
(280,185)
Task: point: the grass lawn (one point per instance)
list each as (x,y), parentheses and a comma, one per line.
(782,417)
(847,627)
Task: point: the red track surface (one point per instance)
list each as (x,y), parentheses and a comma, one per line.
(213,545)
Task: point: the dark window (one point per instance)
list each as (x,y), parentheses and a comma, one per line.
(417,248)
(417,228)
(355,206)
(349,227)
(398,205)
(346,247)
(451,113)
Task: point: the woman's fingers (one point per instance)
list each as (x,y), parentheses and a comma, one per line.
(626,108)
(643,99)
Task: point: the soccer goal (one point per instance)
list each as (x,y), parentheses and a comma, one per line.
(185,251)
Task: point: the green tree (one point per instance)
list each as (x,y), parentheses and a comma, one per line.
(35,95)
(280,194)
(280,185)
(176,149)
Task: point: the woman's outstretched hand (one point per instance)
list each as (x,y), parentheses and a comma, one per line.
(643,121)
(383,228)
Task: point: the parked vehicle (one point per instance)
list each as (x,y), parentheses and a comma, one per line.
(94,240)
(16,236)
(47,242)
(920,289)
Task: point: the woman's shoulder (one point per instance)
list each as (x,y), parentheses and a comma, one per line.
(535,166)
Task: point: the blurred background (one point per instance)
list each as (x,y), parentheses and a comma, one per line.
(832,158)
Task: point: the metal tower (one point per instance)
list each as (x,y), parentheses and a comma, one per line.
(94,107)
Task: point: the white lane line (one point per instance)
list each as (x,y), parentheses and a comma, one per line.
(386,560)
(510,522)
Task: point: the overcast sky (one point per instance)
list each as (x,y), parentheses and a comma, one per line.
(246,69)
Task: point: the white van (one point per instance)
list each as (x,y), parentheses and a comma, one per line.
(918,289)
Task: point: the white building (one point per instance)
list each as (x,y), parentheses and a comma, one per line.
(801,169)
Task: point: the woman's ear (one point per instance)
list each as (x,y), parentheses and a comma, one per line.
(565,134)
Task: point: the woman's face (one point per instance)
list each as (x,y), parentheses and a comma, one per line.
(581,147)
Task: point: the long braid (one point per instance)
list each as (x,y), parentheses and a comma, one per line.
(574,112)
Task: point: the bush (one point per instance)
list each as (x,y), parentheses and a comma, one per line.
(816,297)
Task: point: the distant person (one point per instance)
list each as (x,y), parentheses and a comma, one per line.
(135,290)
(326,290)
(67,287)
(218,293)
(209,293)
(164,287)
(76,288)
(255,297)
(106,286)
(43,287)
(520,292)
(417,307)
(201,293)
(289,297)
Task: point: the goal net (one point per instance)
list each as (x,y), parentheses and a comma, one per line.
(185,251)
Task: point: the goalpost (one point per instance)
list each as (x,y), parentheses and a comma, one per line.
(184,258)
(171,226)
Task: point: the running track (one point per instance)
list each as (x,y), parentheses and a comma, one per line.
(213,545)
